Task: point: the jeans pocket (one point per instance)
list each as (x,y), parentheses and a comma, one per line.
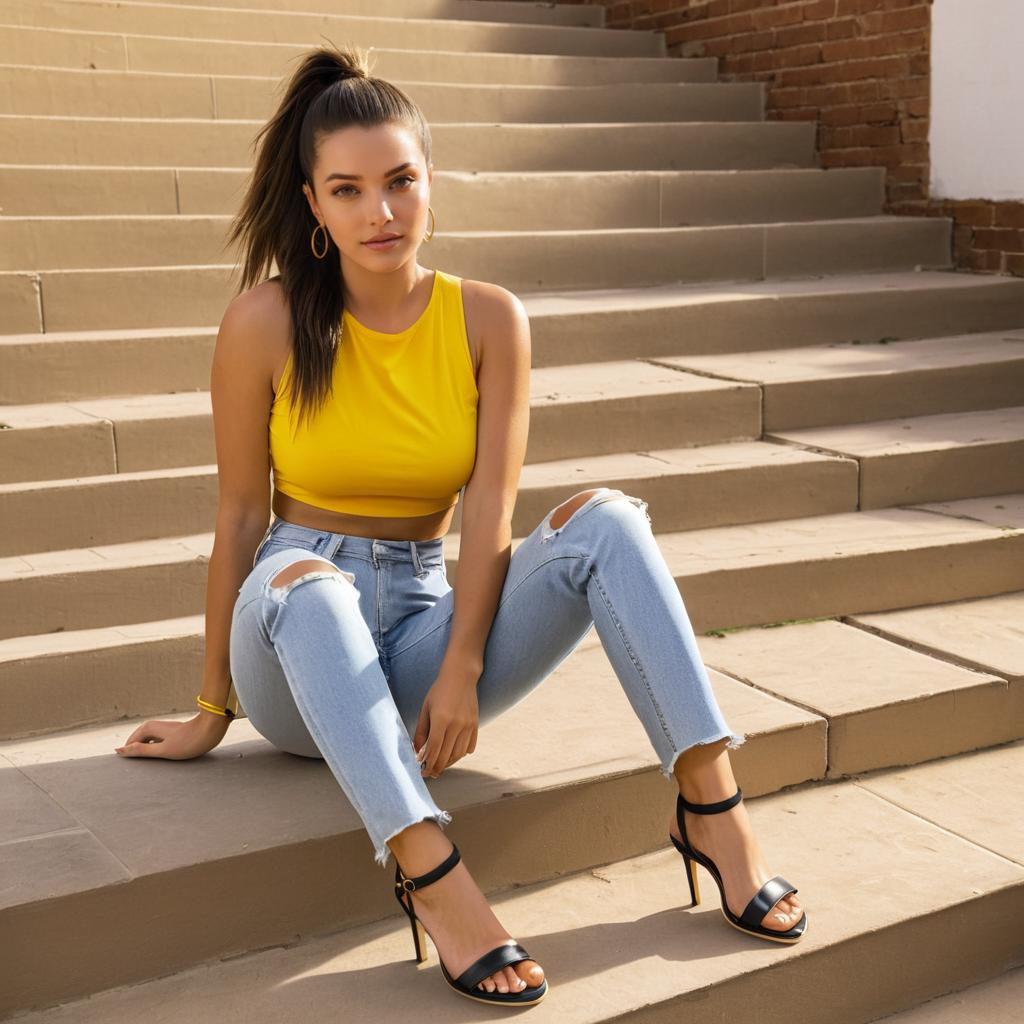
(435,566)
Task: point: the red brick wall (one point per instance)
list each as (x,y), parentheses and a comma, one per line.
(861,70)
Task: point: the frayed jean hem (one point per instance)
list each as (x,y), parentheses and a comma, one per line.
(735,740)
(383,852)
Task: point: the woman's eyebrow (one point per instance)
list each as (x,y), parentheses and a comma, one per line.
(359,177)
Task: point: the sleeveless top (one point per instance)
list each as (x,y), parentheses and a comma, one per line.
(398,435)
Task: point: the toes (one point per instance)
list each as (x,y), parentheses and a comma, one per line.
(498,981)
(511,980)
(792,906)
(782,916)
(525,968)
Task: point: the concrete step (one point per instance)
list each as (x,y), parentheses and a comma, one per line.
(139,452)
(839,564)
(851,382)
(926,458)
(734,483)
(208,143)
(896,687)
(721,482)
(48,91)
(85,622)
(996,1001)
(487,201)
(633,420)
(539,13)
(919,850)
(119,50)
(271,830)
(402,32)
(590,412)
(119,296)
(983,635)
(890,695)
(738,251)
(567,328)
(584,410)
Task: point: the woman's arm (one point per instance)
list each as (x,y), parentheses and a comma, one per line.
(503,424)
(241,395)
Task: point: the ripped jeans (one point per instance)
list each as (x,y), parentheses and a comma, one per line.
(337,664)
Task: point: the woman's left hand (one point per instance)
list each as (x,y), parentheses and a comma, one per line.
(448,721)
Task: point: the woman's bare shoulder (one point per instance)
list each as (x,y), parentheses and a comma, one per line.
(264,305)
(258,323)
(487,292)
(488,307)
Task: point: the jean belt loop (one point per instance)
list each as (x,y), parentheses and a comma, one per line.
(416,558)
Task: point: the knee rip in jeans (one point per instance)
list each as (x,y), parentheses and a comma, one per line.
(576,503)
(303,571)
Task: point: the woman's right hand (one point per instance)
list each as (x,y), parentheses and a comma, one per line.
(176,740)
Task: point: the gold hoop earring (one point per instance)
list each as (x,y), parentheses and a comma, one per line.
(427,238)
(312,242)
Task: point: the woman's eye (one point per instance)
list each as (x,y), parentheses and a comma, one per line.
(341,191)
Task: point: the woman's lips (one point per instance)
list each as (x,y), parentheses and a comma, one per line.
(389,243)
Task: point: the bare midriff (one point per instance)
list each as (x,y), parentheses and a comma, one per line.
(428,527)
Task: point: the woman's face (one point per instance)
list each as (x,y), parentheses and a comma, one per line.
(359,193)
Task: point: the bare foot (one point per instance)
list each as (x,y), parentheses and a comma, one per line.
(728,839)
(463,927)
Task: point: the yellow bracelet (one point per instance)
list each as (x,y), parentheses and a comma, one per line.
(230,710)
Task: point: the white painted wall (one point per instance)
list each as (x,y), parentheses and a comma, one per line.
(977,110)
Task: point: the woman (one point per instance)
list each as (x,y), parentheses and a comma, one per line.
(379,391)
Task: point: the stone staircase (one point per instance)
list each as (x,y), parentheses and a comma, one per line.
(826,421)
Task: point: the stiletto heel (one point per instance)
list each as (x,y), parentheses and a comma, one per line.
(418,940)
(763,900)
(691,872)
(508,953)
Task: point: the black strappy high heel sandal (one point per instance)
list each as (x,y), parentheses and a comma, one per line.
(764,899)
(509,952)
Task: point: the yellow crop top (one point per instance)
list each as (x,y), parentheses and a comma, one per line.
(398,435)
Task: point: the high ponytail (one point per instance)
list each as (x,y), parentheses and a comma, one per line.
(331,89)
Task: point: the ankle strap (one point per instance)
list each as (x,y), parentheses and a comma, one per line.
(403,884)
(722,805)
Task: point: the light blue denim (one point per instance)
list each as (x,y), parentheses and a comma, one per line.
(337,664)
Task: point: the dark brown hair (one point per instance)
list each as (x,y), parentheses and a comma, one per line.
(332,88)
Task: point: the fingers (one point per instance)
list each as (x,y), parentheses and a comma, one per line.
(452,747)
(445,756)
(419,737)
(436,744)
(144,731)
(145,736)
(432,760)
(459,751)
(137,749)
